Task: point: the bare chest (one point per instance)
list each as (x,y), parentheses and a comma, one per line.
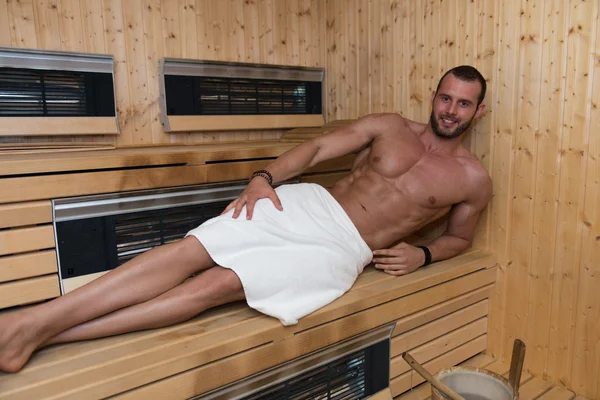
(429,180)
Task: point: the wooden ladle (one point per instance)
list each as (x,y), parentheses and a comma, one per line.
(451,394)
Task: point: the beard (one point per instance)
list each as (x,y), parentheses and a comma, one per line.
(435,126)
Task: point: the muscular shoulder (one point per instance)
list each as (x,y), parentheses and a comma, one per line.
(479,182)
(392,123)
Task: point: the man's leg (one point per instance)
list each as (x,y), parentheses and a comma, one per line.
(140,279)
(212,288)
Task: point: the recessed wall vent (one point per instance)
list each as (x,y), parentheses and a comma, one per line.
(199,95)
(56,93)
(95,234)
(350,370)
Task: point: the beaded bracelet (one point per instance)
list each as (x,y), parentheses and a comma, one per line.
(264,173)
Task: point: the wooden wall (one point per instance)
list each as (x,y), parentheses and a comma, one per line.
(139,32)
(540,141)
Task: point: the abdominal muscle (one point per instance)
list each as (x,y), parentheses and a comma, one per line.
(381,212)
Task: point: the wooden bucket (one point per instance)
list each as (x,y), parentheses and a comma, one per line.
(473,384)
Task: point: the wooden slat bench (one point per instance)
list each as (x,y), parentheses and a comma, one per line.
(441,314)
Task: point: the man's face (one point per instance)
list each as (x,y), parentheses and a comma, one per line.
(454,106)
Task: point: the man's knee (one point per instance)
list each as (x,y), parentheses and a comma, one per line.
(224,284)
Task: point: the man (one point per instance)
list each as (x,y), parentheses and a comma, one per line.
(292,250)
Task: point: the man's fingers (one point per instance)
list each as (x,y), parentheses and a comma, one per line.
(250,208)
(396,272)
(389,260)
(275,199)
(390,266)
(238,207)
(229,206)
(386,252)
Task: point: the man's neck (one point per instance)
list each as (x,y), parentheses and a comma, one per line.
(437,145)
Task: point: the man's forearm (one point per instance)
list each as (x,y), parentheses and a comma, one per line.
(293,162)
(446,247)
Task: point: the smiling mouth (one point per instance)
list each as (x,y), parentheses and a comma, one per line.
(448,121)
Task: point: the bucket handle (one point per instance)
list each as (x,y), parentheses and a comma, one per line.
(429,378)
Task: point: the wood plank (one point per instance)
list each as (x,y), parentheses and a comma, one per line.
(47,187)
(43,126)
(479,361)
(364,297)
(573,154)
(421,392)
(403,382)
(28,291)
(534,388)
(28,265)
(47,24)
(5,26)
(439,346)
(439,310)
(186,384)
(129,364)
(21,240)
(185,123)
(502,167)
(22,18)
(21,214)
(437,328)
(524,160)
(558,393)
(144,156)
(547,183)
(384,394)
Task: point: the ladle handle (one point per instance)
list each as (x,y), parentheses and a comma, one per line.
(429,378)
(516,366)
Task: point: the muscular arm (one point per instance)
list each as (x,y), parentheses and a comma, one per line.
(463,219)
(340,142)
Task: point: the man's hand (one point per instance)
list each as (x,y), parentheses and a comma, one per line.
(401,259)
(258,188)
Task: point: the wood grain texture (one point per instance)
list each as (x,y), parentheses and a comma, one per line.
(240,339)
(27,265)
(22,214)
(139,32)
(21,240)
(27,291)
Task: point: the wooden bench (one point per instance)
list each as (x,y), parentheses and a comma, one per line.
(440,311)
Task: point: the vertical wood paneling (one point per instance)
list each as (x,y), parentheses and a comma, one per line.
(47,24)
(572,175)
(546,187)
(5,26)
(71,25)
(527,105)
(22,23)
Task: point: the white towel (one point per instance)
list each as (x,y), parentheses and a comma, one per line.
(290,262)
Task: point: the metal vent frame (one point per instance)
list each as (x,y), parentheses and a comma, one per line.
(49,60)
(289,370)
(217,69)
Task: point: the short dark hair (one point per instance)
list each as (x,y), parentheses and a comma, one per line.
(468,74)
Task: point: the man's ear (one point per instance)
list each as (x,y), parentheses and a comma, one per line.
(480,110)
(432,96)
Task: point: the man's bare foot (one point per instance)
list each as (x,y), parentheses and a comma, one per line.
(18,340)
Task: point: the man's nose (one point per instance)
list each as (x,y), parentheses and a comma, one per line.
(452,108)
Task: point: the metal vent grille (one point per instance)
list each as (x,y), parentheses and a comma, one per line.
(189,95)
(340,380)
(139,232)
(35,93)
